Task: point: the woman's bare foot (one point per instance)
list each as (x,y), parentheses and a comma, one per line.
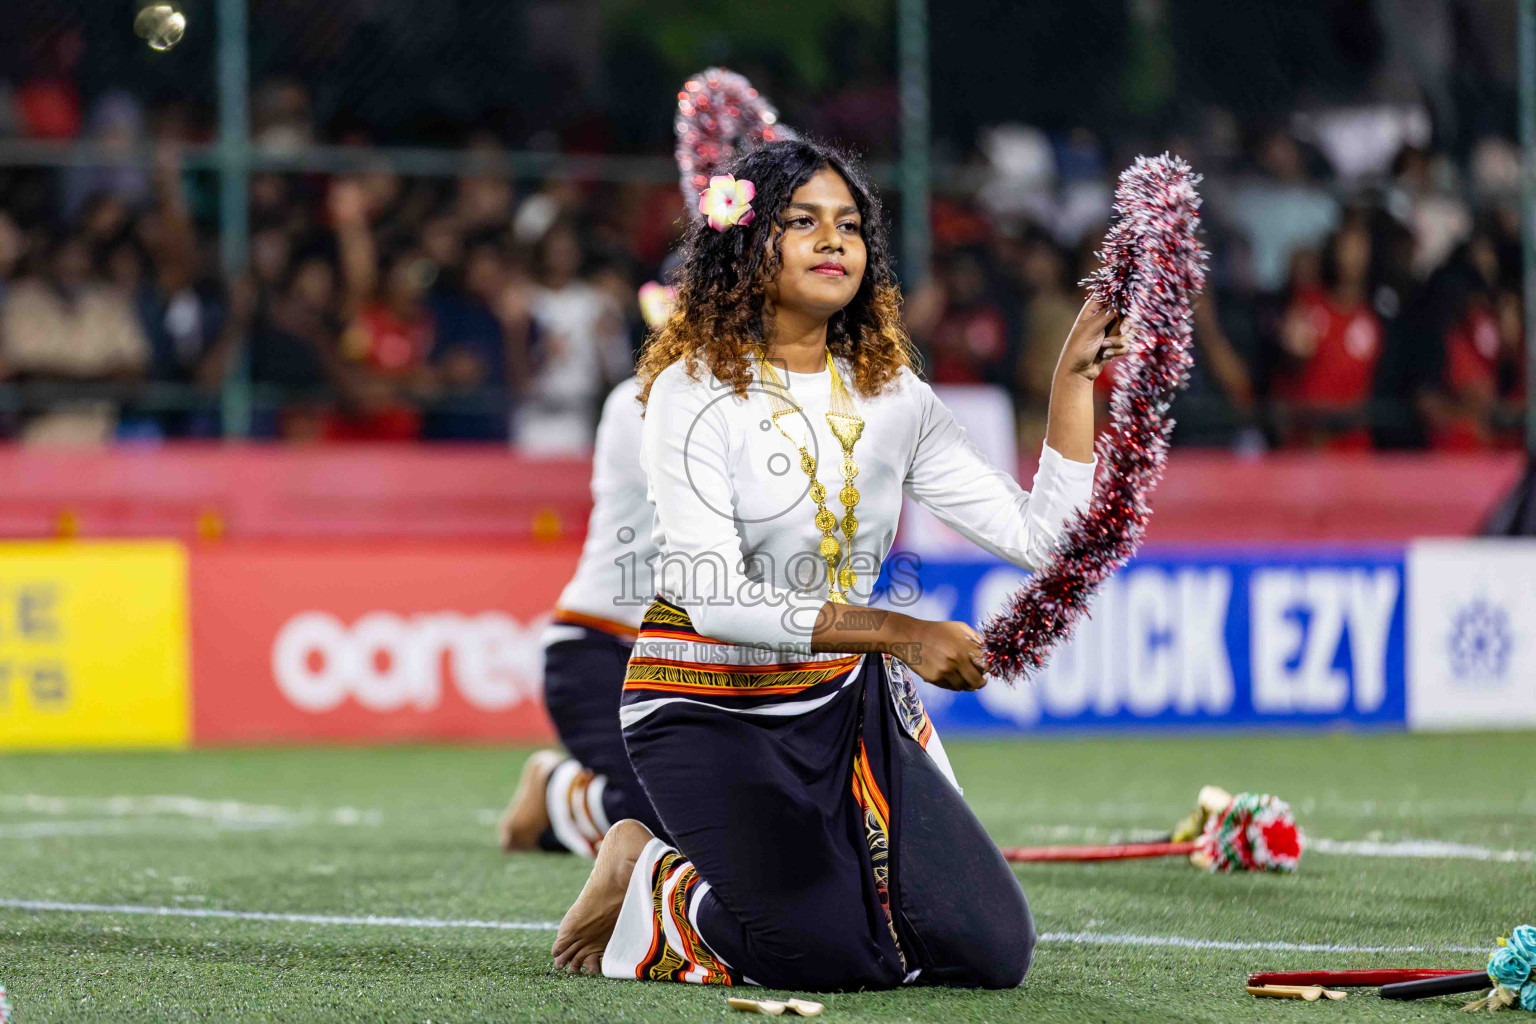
(588,925)
(527,815)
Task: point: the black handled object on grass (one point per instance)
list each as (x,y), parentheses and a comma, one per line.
(1471,981)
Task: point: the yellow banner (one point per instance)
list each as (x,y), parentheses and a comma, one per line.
(93,644)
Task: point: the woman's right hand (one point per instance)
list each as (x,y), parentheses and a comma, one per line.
(947,654)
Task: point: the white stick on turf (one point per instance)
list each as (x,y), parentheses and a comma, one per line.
(1072,938)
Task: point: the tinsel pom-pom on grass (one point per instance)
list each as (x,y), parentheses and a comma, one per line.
(1253,832)
(1153,268)
(719,114)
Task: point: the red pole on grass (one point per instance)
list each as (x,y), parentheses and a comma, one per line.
(1118,851)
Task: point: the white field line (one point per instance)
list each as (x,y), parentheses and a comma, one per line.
(1045,808)
(374,920)
(119,827)
(42,829)
(1418,848)
(144,806)
(95,816)
(223,813)
(119,811)
(258,915)
(1179,942)
(1408,849)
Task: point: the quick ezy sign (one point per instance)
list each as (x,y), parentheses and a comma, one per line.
(1193,639)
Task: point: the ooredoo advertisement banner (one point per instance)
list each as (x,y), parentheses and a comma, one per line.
(93,644)
(299,644)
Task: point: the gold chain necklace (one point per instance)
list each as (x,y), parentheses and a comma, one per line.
(846,426)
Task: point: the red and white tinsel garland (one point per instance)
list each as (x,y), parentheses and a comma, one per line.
(719,114)
(1153,268)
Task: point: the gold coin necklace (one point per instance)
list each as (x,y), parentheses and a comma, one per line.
(847,427)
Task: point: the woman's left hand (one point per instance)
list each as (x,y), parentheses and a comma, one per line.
(1095,339)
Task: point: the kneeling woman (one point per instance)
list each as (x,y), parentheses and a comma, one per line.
(821,842)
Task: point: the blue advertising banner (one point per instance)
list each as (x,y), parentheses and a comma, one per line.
(1189,639)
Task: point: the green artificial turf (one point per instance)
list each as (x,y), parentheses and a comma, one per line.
(407,832)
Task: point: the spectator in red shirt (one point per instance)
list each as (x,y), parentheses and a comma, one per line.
(386,346)
(390,333)
(1331,341)
(48,100)
(1477,405)
(393,334)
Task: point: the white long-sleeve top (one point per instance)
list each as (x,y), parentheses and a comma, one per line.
(734,519)
(613,578)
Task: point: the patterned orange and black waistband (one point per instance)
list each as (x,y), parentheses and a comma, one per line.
(673,657)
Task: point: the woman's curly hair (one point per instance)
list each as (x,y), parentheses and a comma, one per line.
(722,282)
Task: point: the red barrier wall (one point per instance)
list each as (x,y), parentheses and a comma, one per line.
(1378,498)
(354,491)
(476,492)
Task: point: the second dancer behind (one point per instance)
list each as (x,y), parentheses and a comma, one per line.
(565,801)
(820,840)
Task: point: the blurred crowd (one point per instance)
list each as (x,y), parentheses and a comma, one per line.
(1356,300)
(1365,288)
(375,307)
(396,309)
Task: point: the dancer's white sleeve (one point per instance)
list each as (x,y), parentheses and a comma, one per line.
(952,478)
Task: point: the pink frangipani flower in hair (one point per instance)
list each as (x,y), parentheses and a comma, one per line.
(727,202)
